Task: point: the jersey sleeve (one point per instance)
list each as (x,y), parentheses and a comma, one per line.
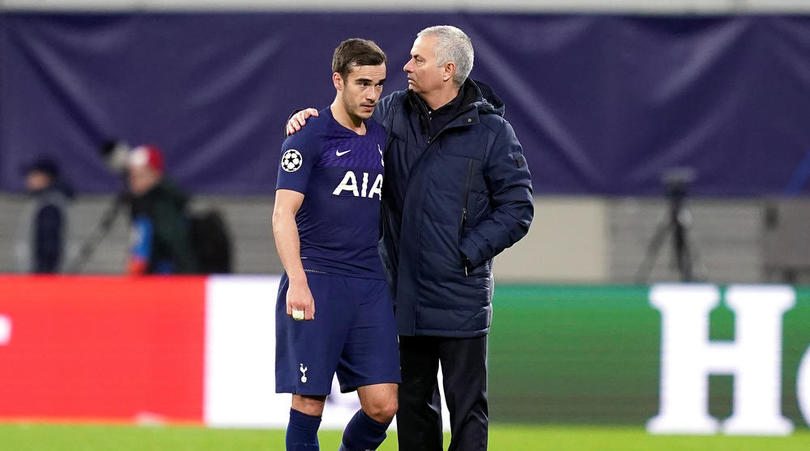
(299,154)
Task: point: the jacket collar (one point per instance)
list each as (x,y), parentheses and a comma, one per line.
(462,111)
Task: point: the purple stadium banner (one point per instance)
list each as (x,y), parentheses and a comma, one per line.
(603,104)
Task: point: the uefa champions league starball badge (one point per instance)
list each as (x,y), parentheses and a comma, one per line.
(291,160)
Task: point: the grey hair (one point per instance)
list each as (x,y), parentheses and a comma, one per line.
(454,45)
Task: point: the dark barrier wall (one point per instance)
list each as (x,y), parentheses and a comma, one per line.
(592,354)
(602,104)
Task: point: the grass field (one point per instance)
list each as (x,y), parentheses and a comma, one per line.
(38,437)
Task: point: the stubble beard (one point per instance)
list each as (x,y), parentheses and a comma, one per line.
(355,111)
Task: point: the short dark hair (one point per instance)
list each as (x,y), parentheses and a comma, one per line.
(356,52)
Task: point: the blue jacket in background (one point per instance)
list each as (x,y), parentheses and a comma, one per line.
(465,192)
(43,230)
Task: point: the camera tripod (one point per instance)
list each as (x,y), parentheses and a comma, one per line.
(115,153)
(101,230)
(676,227)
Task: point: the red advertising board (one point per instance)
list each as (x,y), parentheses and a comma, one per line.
(111,348)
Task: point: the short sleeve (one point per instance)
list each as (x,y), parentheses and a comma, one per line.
(299,153)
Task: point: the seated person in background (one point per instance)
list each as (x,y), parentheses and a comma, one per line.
(161,239)
(43,231)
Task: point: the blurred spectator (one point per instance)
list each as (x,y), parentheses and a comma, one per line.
(161,242)
(43,230)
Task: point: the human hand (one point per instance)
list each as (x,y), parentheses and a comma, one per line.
(299,119)
(299,299)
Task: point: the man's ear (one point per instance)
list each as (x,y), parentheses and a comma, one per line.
(449,71)
(337,80)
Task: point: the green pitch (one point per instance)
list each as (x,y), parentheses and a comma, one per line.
(37,437)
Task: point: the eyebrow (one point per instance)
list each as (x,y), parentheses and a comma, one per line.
(364,80)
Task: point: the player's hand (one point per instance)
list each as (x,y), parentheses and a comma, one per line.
(299,119)
(300,298)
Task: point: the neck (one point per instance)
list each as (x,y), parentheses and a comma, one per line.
(345,119)
(441,97)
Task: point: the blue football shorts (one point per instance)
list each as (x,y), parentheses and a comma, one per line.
(354,334)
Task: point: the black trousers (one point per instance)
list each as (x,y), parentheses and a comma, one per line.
(464,369)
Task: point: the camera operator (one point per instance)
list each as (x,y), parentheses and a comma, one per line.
(161,239)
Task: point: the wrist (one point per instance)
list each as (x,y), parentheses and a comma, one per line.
(297,278)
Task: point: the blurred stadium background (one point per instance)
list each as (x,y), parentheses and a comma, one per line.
(621,108)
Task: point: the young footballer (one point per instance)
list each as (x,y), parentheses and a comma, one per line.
(333,311)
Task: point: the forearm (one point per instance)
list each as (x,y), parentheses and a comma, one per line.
(511,206)
(498,231)
(288,245)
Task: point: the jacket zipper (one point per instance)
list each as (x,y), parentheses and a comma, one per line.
(464,207)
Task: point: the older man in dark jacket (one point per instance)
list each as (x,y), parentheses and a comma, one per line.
(457,192)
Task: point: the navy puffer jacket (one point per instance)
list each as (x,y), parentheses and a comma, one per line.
(463,193)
